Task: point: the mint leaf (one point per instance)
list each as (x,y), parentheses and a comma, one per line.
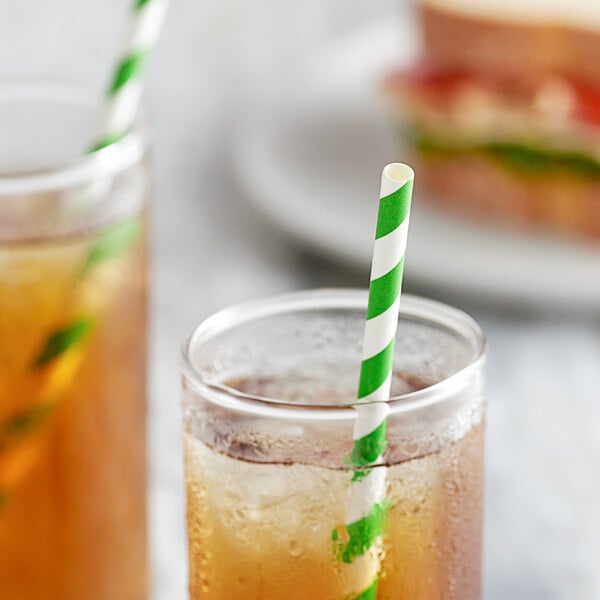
(62,339)
(112,243)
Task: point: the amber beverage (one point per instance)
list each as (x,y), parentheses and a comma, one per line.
(72,353)
(268,389)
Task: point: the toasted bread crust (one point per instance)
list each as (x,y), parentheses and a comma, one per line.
(461,41)
(476,187)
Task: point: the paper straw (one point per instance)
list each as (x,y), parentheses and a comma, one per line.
(125,90)
(365,501)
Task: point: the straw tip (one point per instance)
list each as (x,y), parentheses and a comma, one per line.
(398,173)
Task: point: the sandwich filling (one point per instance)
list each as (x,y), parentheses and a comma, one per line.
(531,126)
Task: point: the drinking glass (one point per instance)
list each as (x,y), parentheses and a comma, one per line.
(268,394)
(72,350)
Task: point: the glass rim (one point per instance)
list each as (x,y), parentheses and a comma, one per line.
(414,307)
(76,170)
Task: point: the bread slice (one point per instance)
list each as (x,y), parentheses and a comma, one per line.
(473,186)
(514,36)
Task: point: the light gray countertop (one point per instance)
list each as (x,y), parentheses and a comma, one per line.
(542,534)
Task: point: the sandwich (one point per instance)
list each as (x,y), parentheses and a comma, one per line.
(502,111)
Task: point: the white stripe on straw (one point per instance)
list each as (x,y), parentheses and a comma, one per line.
(379,331)
(370,412)
(387,249)
(363,494)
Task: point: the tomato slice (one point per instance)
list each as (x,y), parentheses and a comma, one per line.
(587,107)
(430,78)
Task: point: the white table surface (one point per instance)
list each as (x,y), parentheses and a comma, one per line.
(542,534)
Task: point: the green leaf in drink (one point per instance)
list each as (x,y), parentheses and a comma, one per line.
(112,243)
(63,339)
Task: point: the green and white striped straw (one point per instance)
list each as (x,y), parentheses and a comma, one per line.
(125,89)
(365,501)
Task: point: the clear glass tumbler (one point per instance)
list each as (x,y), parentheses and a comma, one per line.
(268,389)
(72,351)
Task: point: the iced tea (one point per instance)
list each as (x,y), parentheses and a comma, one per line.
(72,428)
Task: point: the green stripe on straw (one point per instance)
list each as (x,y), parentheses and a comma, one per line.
(368,448)
(393,210)
(368,594)
(131,66)
(361,534)
(112,243)
(384,291)
(62,339)
(25,421)
(375,370)
(109,140)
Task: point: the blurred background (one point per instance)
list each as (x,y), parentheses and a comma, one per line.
(268,119)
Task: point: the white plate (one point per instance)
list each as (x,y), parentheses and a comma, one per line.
(312,165)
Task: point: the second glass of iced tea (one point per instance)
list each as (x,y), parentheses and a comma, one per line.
(72,351)
(268,394)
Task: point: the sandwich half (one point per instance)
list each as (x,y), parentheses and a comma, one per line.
(502,110)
